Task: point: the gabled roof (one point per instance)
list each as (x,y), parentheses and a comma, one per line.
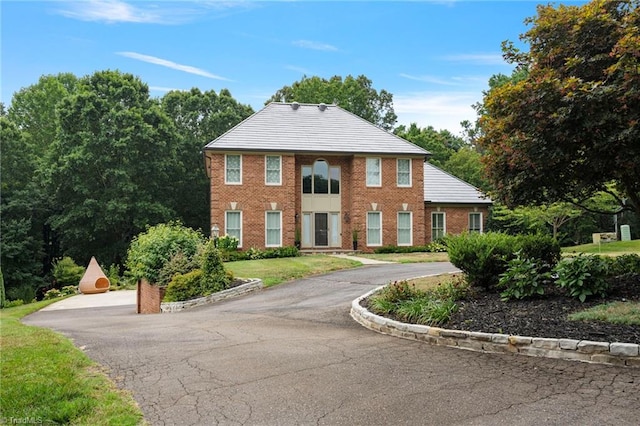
(441,187)
(317,128)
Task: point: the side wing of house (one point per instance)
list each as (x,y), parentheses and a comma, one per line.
(451,205)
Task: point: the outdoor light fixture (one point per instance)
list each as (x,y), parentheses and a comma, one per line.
(215,233)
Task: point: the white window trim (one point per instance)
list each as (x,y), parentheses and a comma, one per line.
(226,227)
(379,184)
(266,229)
(226,157)
(410,243)
(481,221)
(279,183)
(410,184)
(444,224)
(369,244)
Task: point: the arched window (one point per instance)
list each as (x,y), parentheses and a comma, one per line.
(320,178)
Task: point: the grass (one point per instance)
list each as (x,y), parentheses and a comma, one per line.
(276,271)
(407,257)
(615,248)
(433,281)
(627,313)
(46,380)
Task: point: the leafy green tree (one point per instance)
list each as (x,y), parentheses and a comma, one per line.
(355,94)
(572,125)
(441,144)
(110,166)
(199,117)
(535,219)
(21,242)
(466,165)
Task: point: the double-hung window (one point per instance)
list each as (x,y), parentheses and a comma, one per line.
(404,172)
(475,222)
(404,229)
(438,225)
(273,229)
(374,172)
(233,169)
(374,229)
(233,225)
(273,170)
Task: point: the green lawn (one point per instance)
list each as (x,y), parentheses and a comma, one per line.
(615,248)
(47,380)
(408,257)
(276,271)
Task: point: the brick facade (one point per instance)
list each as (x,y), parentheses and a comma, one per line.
(149,298)
(456,217)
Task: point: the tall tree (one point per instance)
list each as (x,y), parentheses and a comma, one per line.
(356,95)
(110,166)
(572,125)
(466,165)
(441,144)
(199,117)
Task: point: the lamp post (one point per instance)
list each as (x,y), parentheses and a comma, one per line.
(215,232)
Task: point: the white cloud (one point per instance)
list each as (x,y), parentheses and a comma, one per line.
(314,45)
(170,64)
(477,58)
(164,89)
(301,70)
(112,11)
(430,79)
(441,110)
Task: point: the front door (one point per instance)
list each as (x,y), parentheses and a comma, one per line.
(321,222)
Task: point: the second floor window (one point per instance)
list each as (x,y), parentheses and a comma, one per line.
(404,172)
(321,178)
(233,169)
(273,171)
(373,172)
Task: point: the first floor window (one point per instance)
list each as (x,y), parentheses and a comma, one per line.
(274,229)
(437,226)
(475,222)
(233,169)
(374,229)
(233,225)
(404,229)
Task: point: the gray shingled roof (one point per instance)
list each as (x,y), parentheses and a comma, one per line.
(441,187)
(311,128)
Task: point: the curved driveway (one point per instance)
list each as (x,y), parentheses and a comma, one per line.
(291,355)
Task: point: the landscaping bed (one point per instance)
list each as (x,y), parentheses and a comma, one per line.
(546,315)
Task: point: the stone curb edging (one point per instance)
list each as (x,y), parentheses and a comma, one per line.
(254,284)
(620,354)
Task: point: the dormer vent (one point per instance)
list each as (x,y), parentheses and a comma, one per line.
(322,107)
(295,105)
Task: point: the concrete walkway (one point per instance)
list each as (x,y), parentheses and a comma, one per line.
(81,301)
(292,355)
(363,260)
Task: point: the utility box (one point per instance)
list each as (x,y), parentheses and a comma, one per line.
(625,233)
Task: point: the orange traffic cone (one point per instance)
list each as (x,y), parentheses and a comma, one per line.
(94,280)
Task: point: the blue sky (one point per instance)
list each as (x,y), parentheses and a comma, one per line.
(435,57)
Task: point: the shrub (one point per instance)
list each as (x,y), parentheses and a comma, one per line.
(624,264)
(583,276)
(214,277)
(482,257)
(184,287)
(52,294)
(523,278)
(434,247)
(150,250)
(69,290)
(179,264)
(456,288)
(544,250)
(67,272)
(228,243)
(14,303)
(3,297)
(426,310)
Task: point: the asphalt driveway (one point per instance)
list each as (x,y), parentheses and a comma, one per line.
(291,355)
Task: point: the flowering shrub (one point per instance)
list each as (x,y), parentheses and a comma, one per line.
(228,243)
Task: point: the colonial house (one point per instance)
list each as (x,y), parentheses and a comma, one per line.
(324,177)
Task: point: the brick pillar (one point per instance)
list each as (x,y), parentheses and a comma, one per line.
(149,297)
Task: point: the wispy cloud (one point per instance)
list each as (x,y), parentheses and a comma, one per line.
(477,58)
(314,45)
(170,64)
(164,89)
(301,70)
(112,11)
(430,79)
(442,110)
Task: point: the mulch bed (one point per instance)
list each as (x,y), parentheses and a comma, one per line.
(546,316)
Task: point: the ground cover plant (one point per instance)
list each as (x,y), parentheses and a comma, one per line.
(46,380)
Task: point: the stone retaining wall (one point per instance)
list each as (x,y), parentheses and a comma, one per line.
(621,354)
(254,284)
